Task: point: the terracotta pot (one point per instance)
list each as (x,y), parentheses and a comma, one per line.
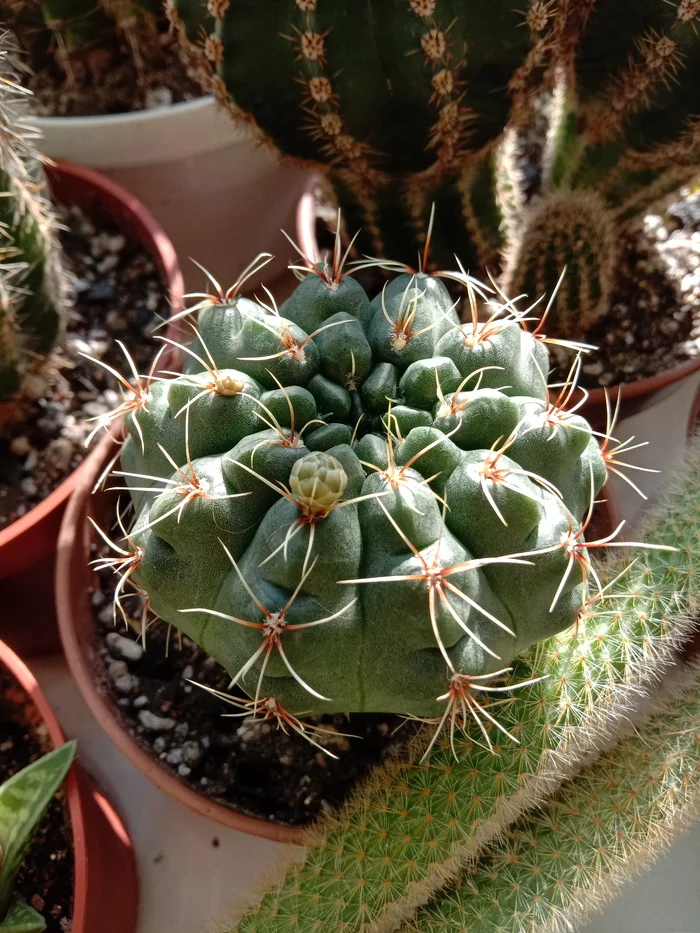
(74,582)
(106,895)
(28,545)
(636,396)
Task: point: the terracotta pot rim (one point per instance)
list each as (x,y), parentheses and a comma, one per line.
(69,550)
(175,286)
(647,385)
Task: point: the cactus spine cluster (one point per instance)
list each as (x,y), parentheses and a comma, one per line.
(68,28)
(360,505)
(418,825)
(31,286)
(409,103)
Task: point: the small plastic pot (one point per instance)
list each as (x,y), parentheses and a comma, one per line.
(28,545)
(636,396)
(106,892)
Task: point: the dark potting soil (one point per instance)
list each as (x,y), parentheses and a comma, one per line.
(108,77)
(244,763)
(46,878)
(117,294)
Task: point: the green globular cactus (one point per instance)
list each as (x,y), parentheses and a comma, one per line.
(361,505)
(24,798)
(569,860)
(31,282)
(400,103)
(69,28)
(624,134)
(420,823)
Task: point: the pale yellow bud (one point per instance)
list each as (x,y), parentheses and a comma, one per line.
(228,383)
(318,481)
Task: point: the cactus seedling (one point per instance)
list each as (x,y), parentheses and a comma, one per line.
(360,505)
(23,800)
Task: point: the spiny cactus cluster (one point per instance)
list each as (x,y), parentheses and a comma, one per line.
(68,28)
(420,824)
(360,505)
(31,284)
(410,103)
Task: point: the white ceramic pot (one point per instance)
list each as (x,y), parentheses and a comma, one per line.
(220,197)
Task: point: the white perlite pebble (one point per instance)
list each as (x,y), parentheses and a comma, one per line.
(121,647)
(20,446)
(153,723)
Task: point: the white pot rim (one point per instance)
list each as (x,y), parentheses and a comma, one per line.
(145,137)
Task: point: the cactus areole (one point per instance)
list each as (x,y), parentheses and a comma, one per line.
(360,505)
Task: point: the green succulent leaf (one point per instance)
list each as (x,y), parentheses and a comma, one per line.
(23,801)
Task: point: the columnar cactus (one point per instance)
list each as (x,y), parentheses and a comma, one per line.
(410,103)
(401,104)
(418,824)
(625,133)
(31,286)
(361,505)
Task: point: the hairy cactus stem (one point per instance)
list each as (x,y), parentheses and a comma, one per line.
(539,334)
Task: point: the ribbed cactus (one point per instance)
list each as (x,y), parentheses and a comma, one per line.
(418,825)
(597,832)
(400,102)
(357,505)
(624,134)
(68,28)
(31,285)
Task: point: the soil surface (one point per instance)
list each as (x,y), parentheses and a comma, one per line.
(654,319)
(117,295)
(46,879)
(112,76)
(244,763)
